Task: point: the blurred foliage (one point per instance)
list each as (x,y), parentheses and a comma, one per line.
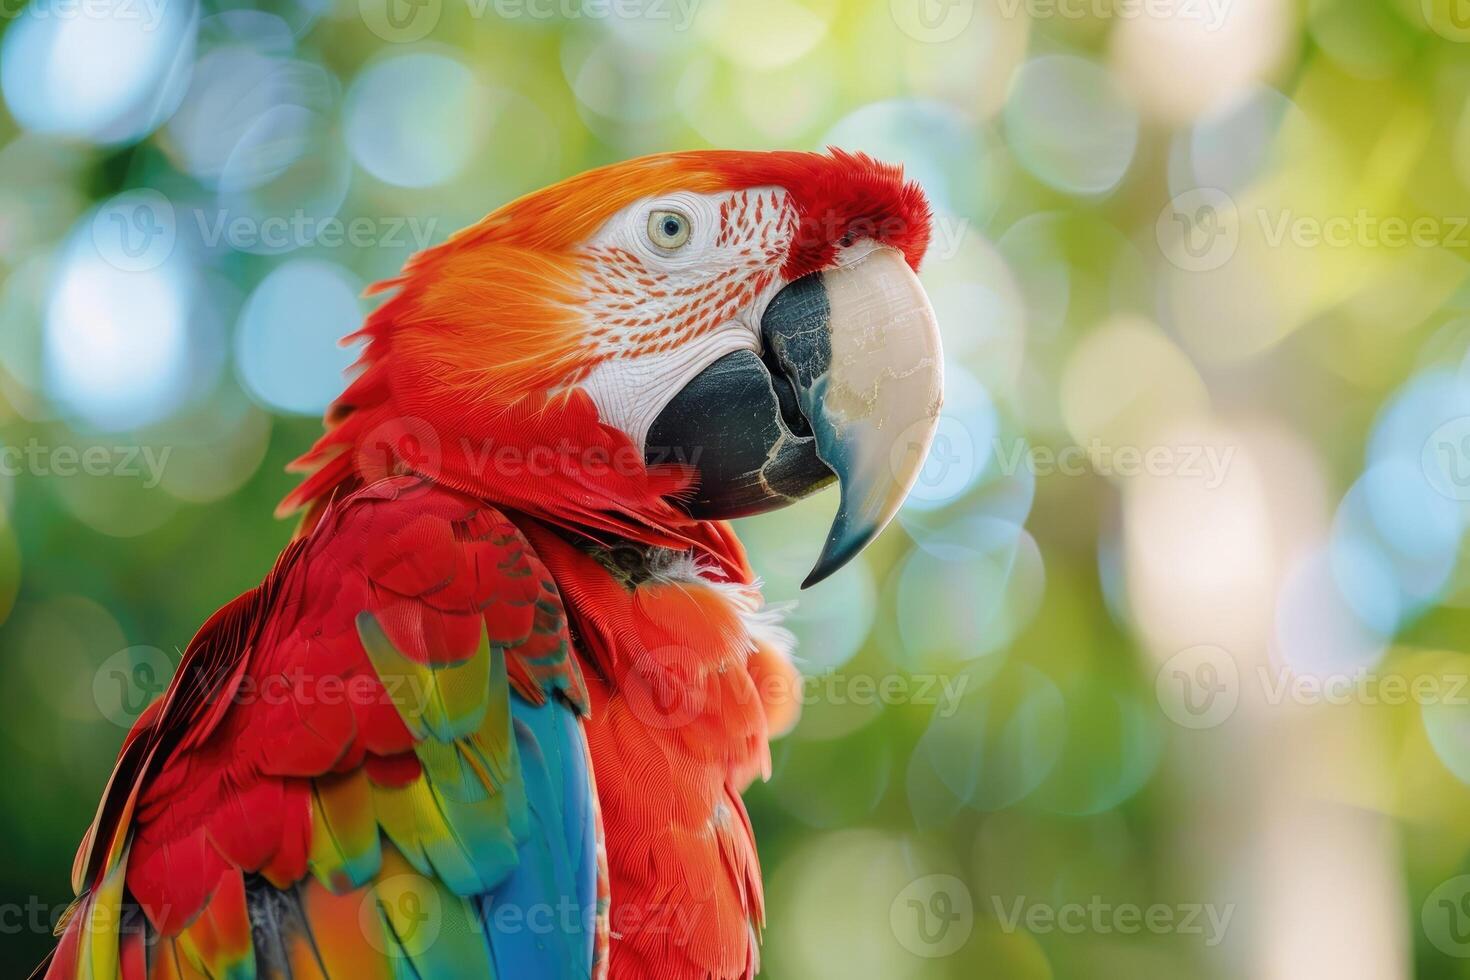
(1115,698)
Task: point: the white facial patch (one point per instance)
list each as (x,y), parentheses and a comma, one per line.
(659,316)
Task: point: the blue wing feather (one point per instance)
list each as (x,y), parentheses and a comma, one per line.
(540,921)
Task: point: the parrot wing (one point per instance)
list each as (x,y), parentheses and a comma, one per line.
(371,766)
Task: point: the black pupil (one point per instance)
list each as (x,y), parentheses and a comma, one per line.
(671,227)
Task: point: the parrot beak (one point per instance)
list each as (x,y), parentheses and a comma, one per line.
(849,387)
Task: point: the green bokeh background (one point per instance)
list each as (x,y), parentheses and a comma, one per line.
(1157,230)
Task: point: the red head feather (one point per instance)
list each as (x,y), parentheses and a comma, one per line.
(479,347)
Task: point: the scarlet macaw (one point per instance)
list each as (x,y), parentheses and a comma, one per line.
(491,712)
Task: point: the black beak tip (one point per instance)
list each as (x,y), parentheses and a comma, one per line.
(842,547)
(816,575)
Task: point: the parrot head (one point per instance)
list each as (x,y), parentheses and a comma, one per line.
(752,321)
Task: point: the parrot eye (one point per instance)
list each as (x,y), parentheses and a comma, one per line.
(668,229)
